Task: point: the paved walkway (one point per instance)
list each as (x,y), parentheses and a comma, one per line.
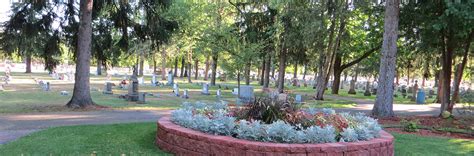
(13,126)
(399,109)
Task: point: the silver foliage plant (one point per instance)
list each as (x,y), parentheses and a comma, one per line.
(360,128)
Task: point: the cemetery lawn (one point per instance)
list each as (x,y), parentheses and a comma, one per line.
(24,96)
(138,139)
(130,139)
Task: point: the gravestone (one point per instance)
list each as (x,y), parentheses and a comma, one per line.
(176,91)
(108,88)
(218,94)
(185,94)
(235,91)
(64,93)
(175,86)
(415,89)
(133,89)
(141,81)
(298,99)
(46,86)
(153,80)
(141,98)
(205,89)
(1,88)
(246,94)
(170,78)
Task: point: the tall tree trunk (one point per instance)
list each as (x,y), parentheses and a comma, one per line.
(175,74)
(247,72)
(262,74)
(446,62)
(81,96)
(304,70)
(206,69)
(188,67)
(214,69)
(99,67)
(337,74)
(266,81)
(295,74)
(459,72)
(142,64)
(154,65)
(281,71)
(183,63)
(196,68)
(163,64)
(28,63)
(383,106)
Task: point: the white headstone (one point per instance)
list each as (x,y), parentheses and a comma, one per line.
(218,93)
(185,94)
(205,89)
(153,80)
(235,91)
(176,91)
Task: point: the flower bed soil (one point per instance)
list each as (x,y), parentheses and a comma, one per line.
(183,141)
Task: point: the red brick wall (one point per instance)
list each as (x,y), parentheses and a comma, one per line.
(183,141)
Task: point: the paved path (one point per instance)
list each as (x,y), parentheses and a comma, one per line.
(399,109)
(13,126)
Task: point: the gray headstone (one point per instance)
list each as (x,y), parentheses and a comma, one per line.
(141,80)
(246,94)
(175,85)
(185,94)
(170,78)
(205,89)
(64,93)
(218,93)
(133,89)
(235,91)
(176,91)
(108,88)
(273,94)
(298,98)
(1,87)
(141,98)
(153,80)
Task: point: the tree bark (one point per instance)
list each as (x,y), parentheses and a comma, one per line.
(81,96)
(266,81)
(459,72)
(304,71)
(295,74)
(446,63)
(337,74)
(247,73)
(383,106)
(154,65)
(214,69)
(142,64)
(163,64)
(206,70)
(196,69)
(262,74)
(183,63)
(28,63)
(99,67)
(175,74)
(281,71)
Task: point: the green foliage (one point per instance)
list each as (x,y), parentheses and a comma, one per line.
(410,126)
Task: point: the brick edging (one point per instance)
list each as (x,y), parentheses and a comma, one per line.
(184,141)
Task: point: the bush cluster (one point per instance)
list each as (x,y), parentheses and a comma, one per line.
(305,126)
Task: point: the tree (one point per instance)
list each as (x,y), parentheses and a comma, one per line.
(383,106)
(81,96)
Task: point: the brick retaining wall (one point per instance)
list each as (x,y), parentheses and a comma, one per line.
(183,141)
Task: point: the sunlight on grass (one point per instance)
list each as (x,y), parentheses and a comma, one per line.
(409,144)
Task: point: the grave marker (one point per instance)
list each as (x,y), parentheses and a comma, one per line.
(218,94)
(141,98)
(298,99)
(246,94)
(108,88)
(205,89)
(185,94)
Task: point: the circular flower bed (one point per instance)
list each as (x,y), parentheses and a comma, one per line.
(269,123)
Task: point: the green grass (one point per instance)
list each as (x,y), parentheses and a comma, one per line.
(409,144)
(138,139)
(130,139)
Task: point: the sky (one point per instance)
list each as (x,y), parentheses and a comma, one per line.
(4,9)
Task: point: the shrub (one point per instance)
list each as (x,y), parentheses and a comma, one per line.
(295,126)
(410,126)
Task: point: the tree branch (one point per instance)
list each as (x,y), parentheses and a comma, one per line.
(365,55)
